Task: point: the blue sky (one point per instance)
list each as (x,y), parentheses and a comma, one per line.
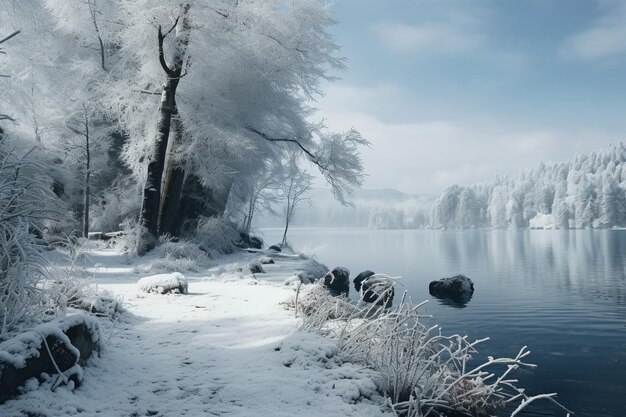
(456,91)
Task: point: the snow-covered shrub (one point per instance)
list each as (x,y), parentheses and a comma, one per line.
(216,236)
(25,204)
(175,256)
(21,269)
(421,371)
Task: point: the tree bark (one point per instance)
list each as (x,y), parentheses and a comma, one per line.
(172,181)
(152,188)
(171,215)
(151,204)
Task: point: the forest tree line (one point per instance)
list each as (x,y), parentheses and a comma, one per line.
(587,192)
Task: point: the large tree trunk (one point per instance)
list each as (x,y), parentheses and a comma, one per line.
(151,205)
(173,179)
(171,215)
(152,188)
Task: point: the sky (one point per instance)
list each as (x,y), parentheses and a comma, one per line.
(457,91)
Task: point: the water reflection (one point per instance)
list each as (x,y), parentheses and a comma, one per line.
(584,262)
(459,301)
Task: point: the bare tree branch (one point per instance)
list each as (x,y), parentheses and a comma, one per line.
(10,36)
(312,157)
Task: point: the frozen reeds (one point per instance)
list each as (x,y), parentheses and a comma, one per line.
(422,372)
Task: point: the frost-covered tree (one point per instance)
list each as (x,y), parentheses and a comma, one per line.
(239,78)
(26,204)
(467,209)
(263,195)
(295,191)
(612,204)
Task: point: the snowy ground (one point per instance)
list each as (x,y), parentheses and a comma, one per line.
(229,347)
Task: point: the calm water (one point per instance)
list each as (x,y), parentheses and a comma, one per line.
(562,293)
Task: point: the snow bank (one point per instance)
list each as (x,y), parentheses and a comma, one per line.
(164,283)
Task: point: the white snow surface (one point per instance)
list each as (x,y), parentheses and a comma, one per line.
(229,347)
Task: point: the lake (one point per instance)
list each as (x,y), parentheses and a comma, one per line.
(561,293)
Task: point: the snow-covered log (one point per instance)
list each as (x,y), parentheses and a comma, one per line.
(51,348)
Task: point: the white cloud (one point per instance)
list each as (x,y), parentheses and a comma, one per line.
(403,38)
(426,156)
(606,38)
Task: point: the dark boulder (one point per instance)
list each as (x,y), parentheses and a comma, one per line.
(275,248)
(378,290)
(337,281)
(360,278)
(256,268)
(246,241)
(455,291)
(256,242)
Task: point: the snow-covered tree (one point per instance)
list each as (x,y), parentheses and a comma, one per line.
(612,204)
(586,192)
(295,191)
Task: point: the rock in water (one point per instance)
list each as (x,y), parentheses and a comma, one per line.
(337,281)
(360,278)
(267,261)
(275,248)
(456,290)
(378,289)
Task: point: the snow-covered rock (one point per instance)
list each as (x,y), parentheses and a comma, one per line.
(337,281)
(379,289)
(360,278)
(267,261)
(312,271)
(164,283)
(256,268)
(458,289)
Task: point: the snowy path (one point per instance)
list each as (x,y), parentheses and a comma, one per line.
(228,348)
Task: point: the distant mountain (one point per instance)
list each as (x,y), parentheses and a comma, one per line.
(375,208)
(587,192)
